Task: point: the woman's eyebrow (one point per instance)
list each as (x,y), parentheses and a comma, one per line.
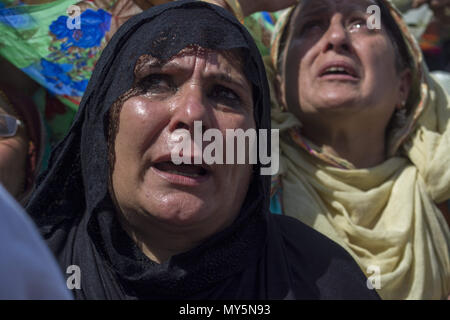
(227,78)
(146,64)
(217,75)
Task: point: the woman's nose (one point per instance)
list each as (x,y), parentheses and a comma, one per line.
(337,38)
(189,109)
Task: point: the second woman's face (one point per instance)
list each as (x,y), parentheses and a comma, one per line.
(196,85)
(336,64)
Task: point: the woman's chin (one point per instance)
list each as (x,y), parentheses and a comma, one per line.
(181,209)
(337,103)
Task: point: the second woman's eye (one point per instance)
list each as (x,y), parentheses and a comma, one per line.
(225,95)
(311,26)
(358,24)
(157,83)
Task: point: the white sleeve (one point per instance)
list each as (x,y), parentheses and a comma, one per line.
(28,270)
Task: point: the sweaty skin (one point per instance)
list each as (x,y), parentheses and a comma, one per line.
(166,212)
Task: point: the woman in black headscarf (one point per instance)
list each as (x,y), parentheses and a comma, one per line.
(175,236)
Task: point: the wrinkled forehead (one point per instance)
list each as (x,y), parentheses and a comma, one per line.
(223,65)
(226,60)
(319,7)
(198,33)
(170,32)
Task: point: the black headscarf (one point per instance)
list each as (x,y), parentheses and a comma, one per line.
(257,257)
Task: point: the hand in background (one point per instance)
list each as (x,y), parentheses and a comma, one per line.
(252,6)
(441,9)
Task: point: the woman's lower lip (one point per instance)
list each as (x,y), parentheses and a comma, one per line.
(339,77)
(180,179)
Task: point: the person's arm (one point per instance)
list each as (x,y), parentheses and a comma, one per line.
(441,9)
(251,6)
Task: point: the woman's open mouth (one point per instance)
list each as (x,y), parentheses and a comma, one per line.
(339,71)
(183,174)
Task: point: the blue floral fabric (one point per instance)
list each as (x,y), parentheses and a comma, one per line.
(94,25)
(42,42)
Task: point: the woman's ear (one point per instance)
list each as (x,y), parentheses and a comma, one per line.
(405,87)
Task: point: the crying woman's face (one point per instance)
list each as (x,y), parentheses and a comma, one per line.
(195,85)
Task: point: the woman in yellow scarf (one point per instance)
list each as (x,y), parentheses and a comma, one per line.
(365,143)
(364,140)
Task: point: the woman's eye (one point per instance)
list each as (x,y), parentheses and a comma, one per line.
(157,83)
(358,25)
(314,25)
(225,95)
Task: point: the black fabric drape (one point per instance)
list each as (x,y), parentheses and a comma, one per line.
(258,257)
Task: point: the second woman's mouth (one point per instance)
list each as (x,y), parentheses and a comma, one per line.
(338,70)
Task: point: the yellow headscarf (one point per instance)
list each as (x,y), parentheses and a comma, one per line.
(385,216)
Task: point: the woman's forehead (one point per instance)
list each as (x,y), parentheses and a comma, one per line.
(226,62)
(231,57)
(314,7)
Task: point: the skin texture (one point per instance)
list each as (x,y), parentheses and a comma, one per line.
(162,216)
(346,117)
(13,155)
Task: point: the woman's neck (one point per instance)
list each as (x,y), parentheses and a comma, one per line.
(362,144)
(159,241)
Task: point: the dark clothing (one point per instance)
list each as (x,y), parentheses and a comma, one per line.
(259,256)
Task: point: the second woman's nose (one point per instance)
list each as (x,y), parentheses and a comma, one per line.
(336,37)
